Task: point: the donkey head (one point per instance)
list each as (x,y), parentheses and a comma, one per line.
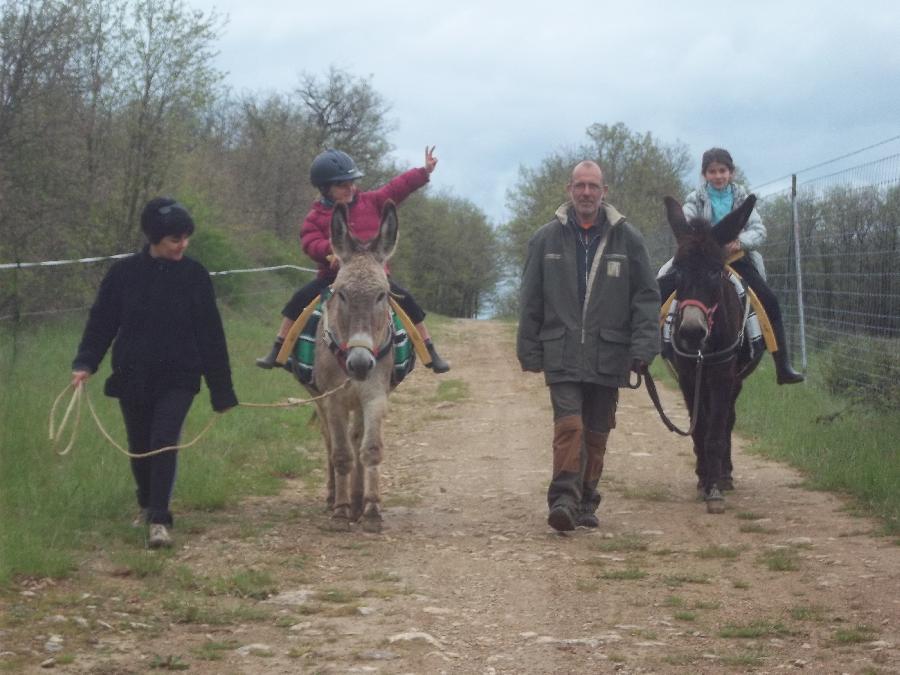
(700,265)
(358,311)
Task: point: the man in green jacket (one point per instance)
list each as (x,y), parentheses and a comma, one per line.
(589,314)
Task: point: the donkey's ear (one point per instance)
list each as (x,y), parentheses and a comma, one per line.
(385,243)
(342,244)
(675,216)
(731,225)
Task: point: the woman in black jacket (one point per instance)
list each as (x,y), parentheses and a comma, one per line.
(158,310)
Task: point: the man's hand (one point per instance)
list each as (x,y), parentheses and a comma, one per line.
(430,159)
(638,365)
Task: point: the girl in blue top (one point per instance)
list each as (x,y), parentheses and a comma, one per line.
(716,197)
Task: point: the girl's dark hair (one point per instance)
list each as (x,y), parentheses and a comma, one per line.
(717,155)
(164,217)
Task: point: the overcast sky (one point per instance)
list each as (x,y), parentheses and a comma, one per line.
(499,85)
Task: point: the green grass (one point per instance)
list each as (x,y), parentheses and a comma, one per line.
(54,507)
(754,629)
(854,451)
(717,552)
(452,390)
(780,560)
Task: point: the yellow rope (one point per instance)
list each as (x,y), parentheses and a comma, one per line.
(81,392)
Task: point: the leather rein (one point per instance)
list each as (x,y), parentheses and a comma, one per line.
(700,357)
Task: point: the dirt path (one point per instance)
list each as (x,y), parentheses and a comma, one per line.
(468,578)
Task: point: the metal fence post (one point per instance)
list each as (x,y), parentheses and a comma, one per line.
(799,272)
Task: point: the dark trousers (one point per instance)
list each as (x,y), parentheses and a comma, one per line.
(308,293)
(583,415)
(150,426)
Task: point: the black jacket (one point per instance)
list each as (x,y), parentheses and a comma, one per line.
(167,330)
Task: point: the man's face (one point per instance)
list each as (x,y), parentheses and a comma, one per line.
(586,190)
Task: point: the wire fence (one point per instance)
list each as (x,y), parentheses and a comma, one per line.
(32,290)
(833,258)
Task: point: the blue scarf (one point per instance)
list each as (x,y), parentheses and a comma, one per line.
(721,201)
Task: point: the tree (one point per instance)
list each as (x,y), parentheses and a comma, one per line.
(447,254)
(639,169)
(348,114)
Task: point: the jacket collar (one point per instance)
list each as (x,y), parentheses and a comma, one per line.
(613,217)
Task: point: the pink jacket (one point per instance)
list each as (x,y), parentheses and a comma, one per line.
(365,216)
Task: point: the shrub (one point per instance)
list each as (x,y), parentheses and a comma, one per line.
(864,369)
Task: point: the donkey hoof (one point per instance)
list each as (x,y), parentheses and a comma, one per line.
(340,519)
(715,502)
(371,522)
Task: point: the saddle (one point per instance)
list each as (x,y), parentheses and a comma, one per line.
(299,349)
(758,333)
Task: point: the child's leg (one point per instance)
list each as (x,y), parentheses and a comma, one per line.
(784,372)
(291,311)
(417,316)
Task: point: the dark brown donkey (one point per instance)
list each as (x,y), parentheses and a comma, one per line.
(707,340)
(355,342)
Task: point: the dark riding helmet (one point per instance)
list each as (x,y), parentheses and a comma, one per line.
(333,166)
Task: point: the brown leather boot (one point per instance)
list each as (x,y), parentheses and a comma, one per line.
(564,493)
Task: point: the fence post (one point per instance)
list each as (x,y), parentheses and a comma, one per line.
(801,318)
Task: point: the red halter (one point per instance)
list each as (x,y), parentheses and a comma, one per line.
(707,311)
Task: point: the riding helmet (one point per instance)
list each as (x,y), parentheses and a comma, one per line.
(333,166)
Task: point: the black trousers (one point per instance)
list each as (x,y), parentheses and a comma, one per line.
(307,294)
(151,426)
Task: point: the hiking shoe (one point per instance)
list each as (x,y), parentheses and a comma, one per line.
(159,536)
(140,519)
(560,518)
(587,518)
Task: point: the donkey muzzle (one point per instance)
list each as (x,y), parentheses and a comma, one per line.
(693,329)
(360,362)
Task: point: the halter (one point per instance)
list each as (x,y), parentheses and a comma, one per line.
(723,355)
(707,311)
(342,349)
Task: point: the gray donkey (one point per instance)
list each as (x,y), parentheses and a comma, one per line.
(355,341)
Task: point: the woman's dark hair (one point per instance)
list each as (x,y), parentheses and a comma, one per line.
(717,155)
(164,217)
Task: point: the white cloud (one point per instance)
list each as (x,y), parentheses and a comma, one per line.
(499,84)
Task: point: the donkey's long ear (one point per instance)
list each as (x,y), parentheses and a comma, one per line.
(731,225)
(342,244)
(675,216)
(385,243)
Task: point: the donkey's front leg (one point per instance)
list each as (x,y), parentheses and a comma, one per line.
(341,465)
(371,450)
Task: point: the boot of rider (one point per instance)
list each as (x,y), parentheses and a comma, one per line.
(437,364)
(594,452)
(784,373)
(268,361)
(564,493)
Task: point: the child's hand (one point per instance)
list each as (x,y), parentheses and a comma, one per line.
(733,247)
(430,159)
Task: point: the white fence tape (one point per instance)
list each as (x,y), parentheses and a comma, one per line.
(54,263)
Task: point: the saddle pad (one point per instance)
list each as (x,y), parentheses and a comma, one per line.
(304,354)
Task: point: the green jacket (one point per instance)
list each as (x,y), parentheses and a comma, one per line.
(619,321)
